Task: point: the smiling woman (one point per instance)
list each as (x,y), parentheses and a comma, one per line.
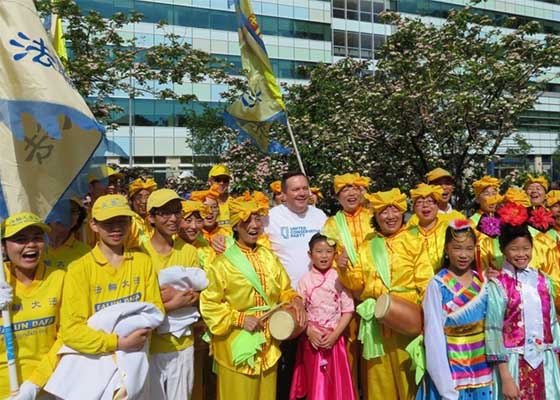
(34,291)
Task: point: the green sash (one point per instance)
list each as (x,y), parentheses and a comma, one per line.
(369,333)
(498,256)
(553,234)
(475,218)
(417,353)
(247,344)
(347,241)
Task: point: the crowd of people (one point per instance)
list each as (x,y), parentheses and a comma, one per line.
(262,296)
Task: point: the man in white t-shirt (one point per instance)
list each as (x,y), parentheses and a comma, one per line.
(289,227)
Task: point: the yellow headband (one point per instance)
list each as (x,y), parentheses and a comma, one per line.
(241,210)
(541,180)
(552,197)
(276,187)
(350,180)
(483,183)
(190,207)
(492,200)
(201,195)
(317,192)
(381,200)
(423,190)
(517,196)
(141,184)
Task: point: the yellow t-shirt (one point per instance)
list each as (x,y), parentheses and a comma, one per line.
(35,322)
(223,217)
(92,284)
(70,251)
(184,255)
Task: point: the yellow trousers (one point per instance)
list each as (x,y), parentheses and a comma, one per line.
(390,377)
(233,385)
(353,349)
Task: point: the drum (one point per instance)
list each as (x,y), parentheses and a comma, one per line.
(399,314)
(284,326)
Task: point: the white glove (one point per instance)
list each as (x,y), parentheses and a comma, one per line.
(27,391)
(6,294)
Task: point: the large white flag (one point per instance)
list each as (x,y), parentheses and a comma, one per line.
(48,135)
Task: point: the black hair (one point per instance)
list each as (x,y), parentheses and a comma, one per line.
(509,233)
(289,175)
(450,234)
(316,238)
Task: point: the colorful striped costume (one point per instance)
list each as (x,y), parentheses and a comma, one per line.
(454,339)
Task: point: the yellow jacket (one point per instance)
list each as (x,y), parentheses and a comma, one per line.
(92,284)
(410,269)
(359,226)
(206,253)
(217,231)
(433,241)
(141,229)
(35,323)
(229,295)
(184,255)
(70,251)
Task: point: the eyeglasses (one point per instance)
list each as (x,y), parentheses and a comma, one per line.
(168,213)
(425,202)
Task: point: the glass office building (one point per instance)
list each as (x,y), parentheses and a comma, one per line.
(299,32)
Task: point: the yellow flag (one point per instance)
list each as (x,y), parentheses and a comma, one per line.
(254,112)
(48,135)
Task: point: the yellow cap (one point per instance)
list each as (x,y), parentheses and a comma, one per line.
(541,180)
(517,196)
(17,222)
(423,190)
(483,183)
(381,200)
(350,180)
(190,206)
(552,197)
(110,206)
(437,173)
(102,172)
(141,184)
(219,169)
(161,197)
(276,187)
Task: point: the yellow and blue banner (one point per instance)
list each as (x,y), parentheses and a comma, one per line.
(48,136)
(254,112)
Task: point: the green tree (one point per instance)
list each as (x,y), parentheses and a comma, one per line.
(104,62)
(443,95)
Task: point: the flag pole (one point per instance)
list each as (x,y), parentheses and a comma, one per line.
(298,156)
(9,339)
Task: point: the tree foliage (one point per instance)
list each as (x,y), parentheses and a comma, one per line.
(105,63)
(439,96)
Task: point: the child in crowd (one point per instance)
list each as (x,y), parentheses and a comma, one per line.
(522,333)
(454,312)
(322,369)
(35,292)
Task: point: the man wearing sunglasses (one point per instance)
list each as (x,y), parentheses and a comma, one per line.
(221,176)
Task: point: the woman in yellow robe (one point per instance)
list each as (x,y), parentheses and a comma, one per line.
(430,228)
(406,274)
(244,282)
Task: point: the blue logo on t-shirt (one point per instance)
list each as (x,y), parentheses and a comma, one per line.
(289,232)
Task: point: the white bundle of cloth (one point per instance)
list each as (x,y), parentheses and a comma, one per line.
(178,322)
(98,377)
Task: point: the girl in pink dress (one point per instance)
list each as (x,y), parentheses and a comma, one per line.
(322,370)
